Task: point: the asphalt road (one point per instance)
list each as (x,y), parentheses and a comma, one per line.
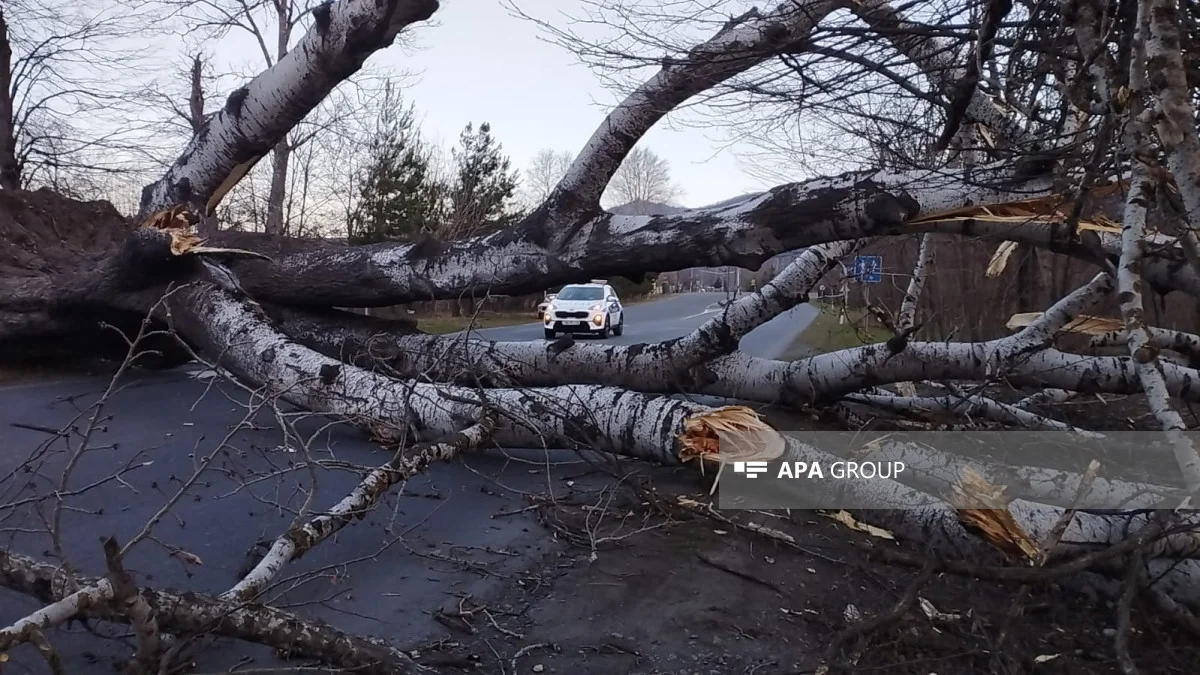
(449,532)
(676,315)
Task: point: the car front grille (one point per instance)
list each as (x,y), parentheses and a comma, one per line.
(570,315)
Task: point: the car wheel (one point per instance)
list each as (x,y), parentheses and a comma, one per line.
(549,334)
(620,327)
(607,325)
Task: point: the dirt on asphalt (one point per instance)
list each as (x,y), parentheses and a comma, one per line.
(683,591)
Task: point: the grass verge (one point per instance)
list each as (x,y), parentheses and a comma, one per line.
(441,325)
(827,333)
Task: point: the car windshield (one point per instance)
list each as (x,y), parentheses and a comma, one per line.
(581,293)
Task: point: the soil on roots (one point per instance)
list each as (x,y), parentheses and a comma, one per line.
(44,232)
(666,589)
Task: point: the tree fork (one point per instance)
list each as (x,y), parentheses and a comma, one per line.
(195,614)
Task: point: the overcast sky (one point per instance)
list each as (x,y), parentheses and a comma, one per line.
(482,63)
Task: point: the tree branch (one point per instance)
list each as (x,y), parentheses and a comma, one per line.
(257,116)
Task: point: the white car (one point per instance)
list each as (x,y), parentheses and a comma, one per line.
(592,308)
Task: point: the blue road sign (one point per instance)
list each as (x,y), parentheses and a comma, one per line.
(868,269)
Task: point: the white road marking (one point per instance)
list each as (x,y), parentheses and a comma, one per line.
(709,310)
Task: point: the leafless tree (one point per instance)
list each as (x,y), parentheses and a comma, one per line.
(1084,118)
(545,170)
(274,26)
(66,116)
(643,177)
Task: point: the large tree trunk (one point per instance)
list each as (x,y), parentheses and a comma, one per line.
(10,166)
(277,195)
(259,115)
(208,223)
(271,322)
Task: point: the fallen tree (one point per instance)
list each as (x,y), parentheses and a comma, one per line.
(270,319)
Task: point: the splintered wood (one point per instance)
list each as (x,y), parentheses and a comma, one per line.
(1085,324)
(983,508)
(179,223)
(729,434)
(1050,209)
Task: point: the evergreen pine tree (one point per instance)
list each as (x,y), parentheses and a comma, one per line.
(482,196)
(397,196)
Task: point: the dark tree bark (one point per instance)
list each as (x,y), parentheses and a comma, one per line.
(10,166)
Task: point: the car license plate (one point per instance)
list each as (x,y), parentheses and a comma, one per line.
(570,323)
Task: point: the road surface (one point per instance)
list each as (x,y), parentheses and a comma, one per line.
(676,315)
(447,532)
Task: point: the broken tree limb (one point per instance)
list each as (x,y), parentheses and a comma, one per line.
(195,614)
(1159,69)
(737,46)
(58,612)
(936,472)
(920,516)
(569,416)
(1045,397)
(1129,277)
(259,114)
(298,540)
(851,206)
(746,233)
(907,316)
(467,359)
(1024,358)
(980,406)
(1187,344)
(575,404)
(613,420)
(131,603)
(854,205)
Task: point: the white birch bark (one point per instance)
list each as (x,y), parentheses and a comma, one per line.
(365,497)
(918,516)
(936,472)
(619,421)
(1187,344)
(669,364)
(59,612)
(1129,280)
(975,406)
(907,316)
(261,113)
(742,43)
(1024,358)
(1045,397)
(739,376)
(194,613)
(566,416)
(852,206)
(1175,115)
(856,205)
